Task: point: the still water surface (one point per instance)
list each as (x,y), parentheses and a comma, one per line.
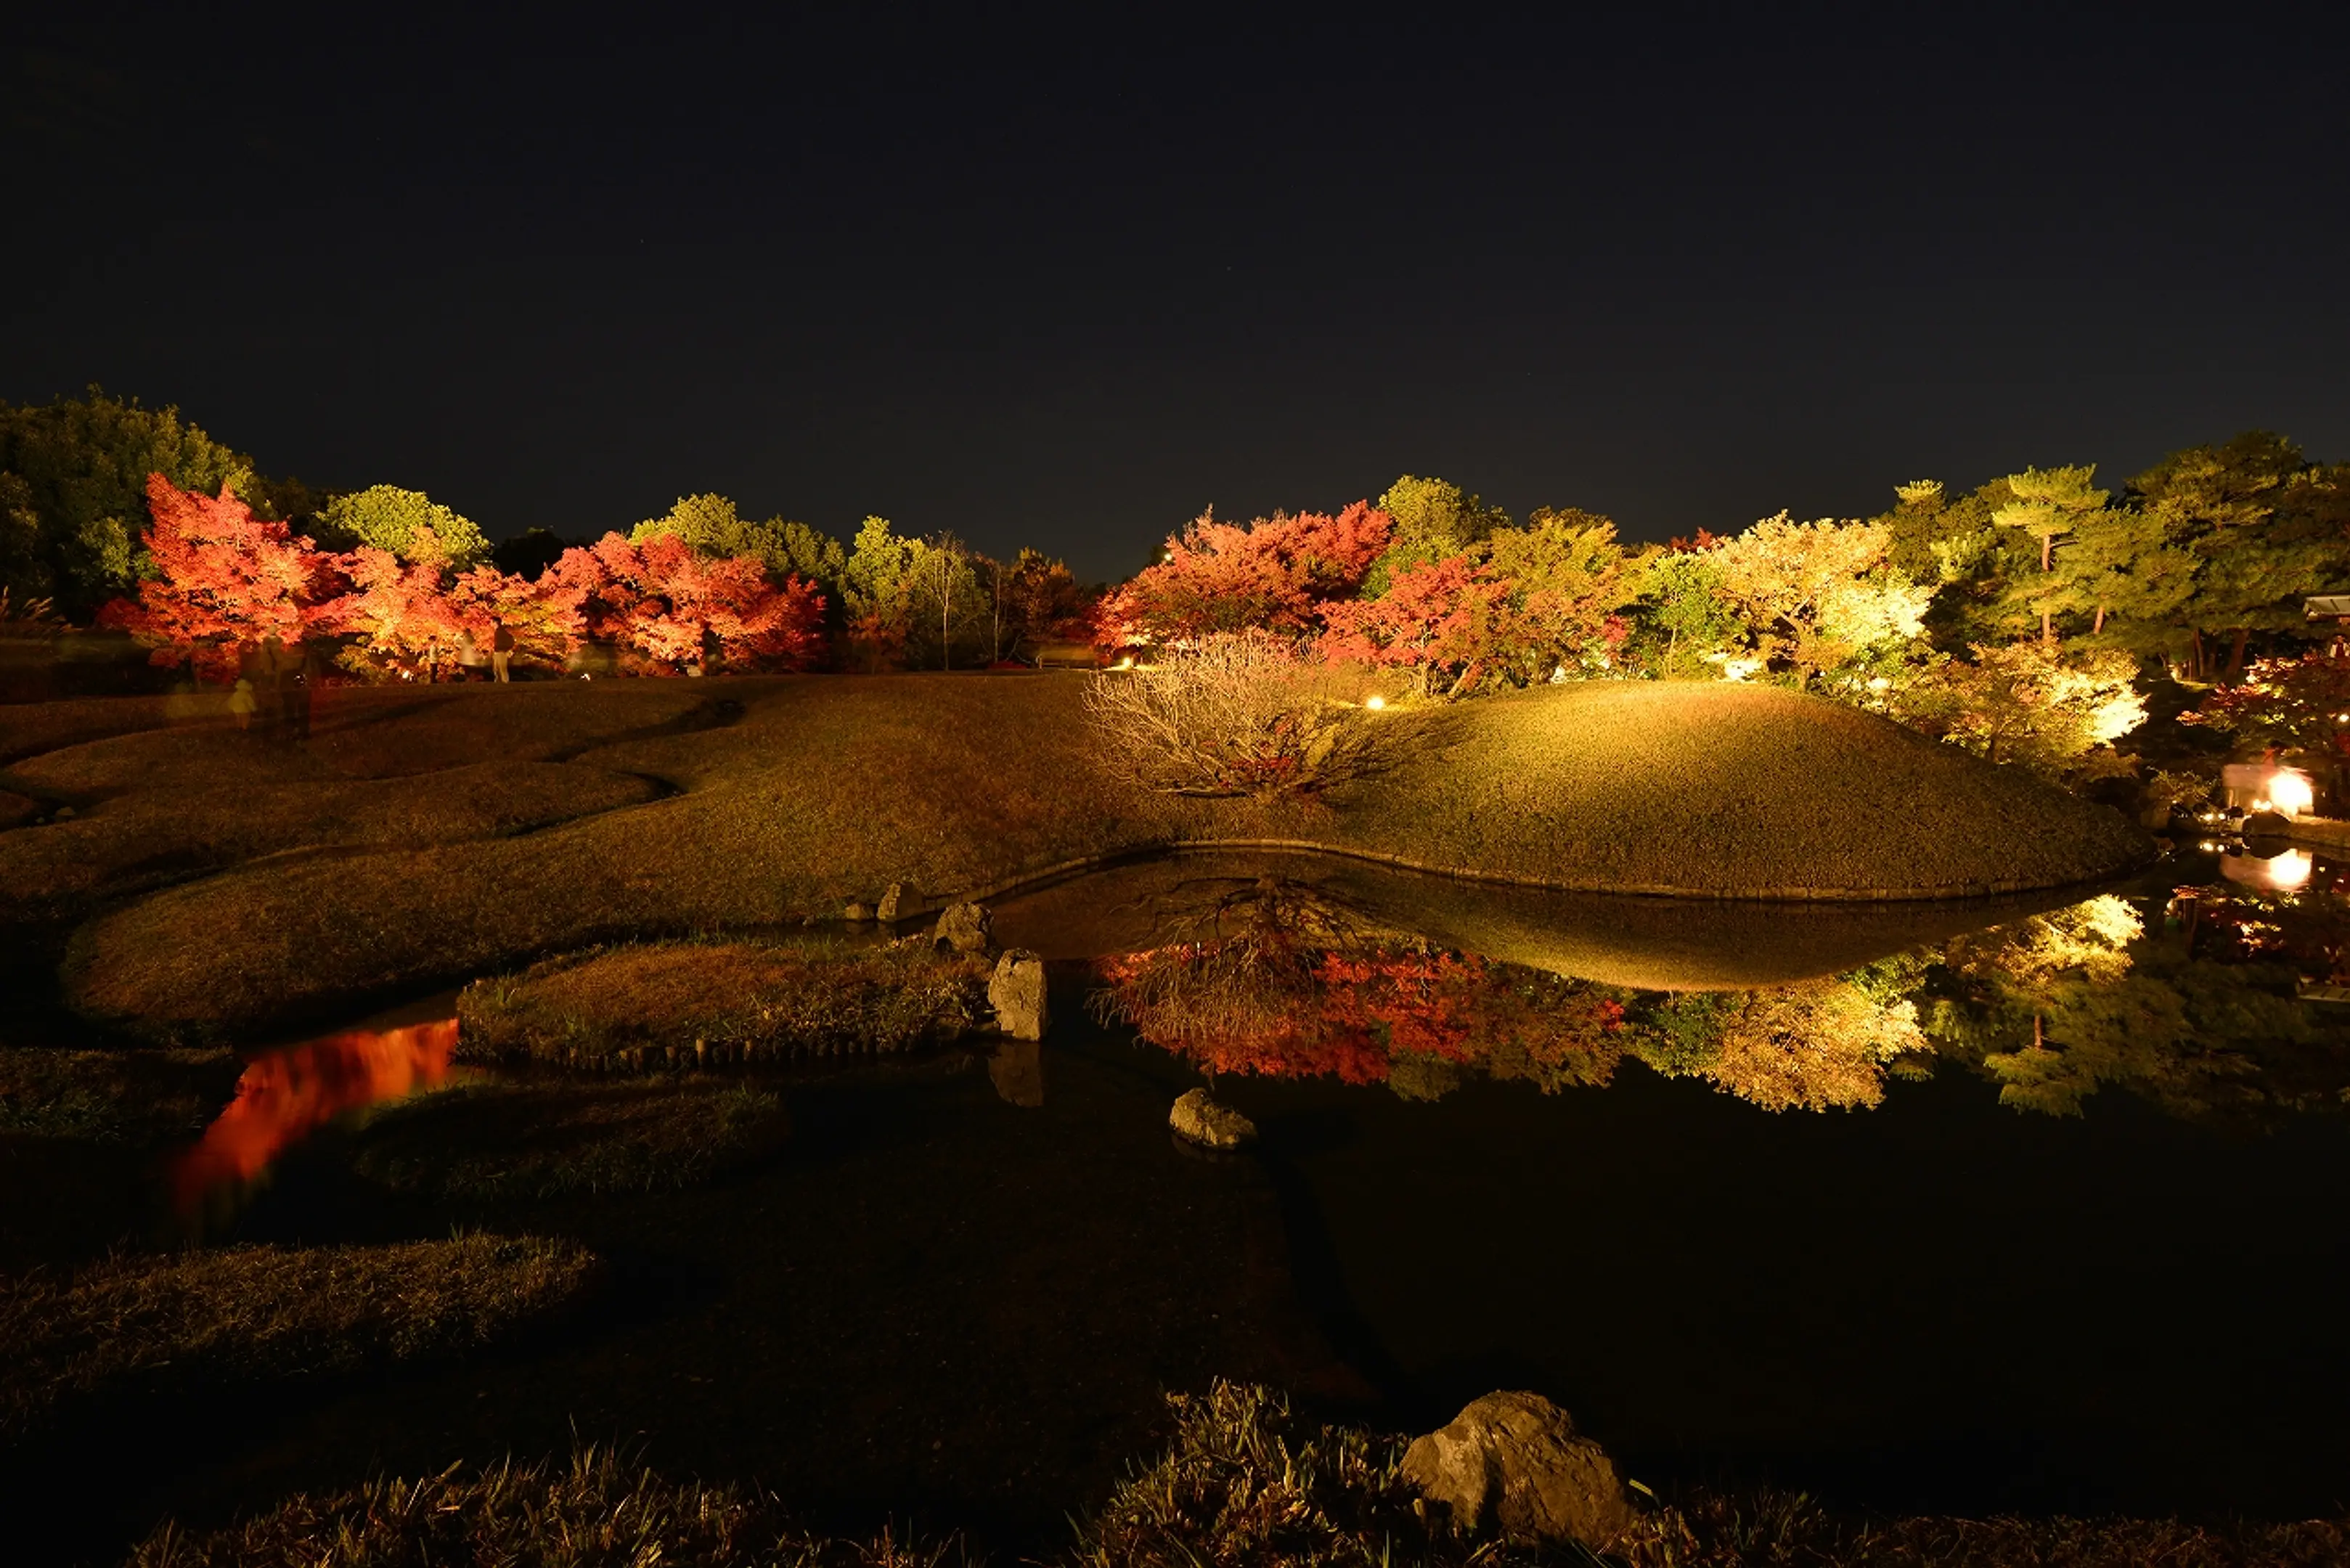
(2035,1206)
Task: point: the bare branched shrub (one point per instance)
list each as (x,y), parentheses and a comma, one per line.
(1244,714)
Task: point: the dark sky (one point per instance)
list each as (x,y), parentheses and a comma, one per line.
(1068,285)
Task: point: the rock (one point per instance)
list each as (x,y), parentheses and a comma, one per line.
(2260,824)
(1198,1117)
(860,911)
(1016,991)
(897,903)
(1512,1463)
(66,813)
(963,927)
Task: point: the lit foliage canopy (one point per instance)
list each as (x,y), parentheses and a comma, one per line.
(226,580)
(669,607)
(1278,574)
(405,524)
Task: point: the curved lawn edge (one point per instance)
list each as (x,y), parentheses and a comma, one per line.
(1029,881)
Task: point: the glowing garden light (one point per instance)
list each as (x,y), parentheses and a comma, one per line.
(1375,703)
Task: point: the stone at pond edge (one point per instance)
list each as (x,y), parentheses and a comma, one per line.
(1512,1463)
(860,911)
(900,902)
(1198,1117)
(1016,991)
(963,927)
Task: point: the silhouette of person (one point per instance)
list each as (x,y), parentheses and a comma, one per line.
(502,643)
(241,703)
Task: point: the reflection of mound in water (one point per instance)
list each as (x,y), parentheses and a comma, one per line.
(1654,944)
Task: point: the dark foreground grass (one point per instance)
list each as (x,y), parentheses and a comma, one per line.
(1241,1484)
(547,1140)
(597,1512)
(655,1005)
(191,1322)
(816,791)
(142,1098)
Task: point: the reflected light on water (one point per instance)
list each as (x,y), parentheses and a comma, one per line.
(287,1094)
(2285,873)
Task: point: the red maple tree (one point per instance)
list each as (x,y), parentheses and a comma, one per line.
(225,581)
(1275,574)
(665,606)
(398,615)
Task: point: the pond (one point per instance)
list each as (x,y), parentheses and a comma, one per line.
(2035,1206)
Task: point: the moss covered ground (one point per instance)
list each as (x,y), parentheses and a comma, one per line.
(783,799)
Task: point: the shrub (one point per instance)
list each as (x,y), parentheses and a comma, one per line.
(1232,716)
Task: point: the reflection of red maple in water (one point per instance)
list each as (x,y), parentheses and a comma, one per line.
(1292,1010)
(286,1095)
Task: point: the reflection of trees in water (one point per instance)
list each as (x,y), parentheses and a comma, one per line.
(1283,980)
(2197,1014)
(2195,1009)
(1817,1045)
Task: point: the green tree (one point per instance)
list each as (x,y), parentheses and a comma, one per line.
(2264,526)
(713,526)
(2049,504)
(1679,615)
(948,607)
(410,523)
(877,585)
(1432,520)
(73,491)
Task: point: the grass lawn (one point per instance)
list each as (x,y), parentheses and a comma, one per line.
(549,1140)
(193,1322)
(795,795)
(143,1098)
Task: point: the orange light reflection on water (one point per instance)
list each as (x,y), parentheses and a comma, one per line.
(287,1094)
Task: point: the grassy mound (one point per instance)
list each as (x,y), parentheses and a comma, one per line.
(665,1004)
(140,1097)
(1243,1481)
(535,1140)
(200,1320)
(820,790)
(158,836)
(1720,790)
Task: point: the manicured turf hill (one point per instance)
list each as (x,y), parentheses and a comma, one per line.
(781,800)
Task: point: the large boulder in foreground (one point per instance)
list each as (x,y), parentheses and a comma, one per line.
(1512,1463)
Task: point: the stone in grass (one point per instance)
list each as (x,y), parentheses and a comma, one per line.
(859,910)
(1512,1463)
(1200,1119)
(1016,994)
(964,928)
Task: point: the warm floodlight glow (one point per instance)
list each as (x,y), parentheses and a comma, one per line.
(1375,703)
(2292,794)
(1739,669)
(1126,663)
(1880,684)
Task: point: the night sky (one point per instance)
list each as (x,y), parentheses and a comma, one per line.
(1064,287)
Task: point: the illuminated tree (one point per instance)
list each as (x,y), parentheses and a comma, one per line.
(1035,601)
(711,526)
(398,615)
(408,524)
(1278,574)
(1819,597)
(669,607)
(2049,503)
(1682,626)
(878,582)
(2300,703)
(2033,703)
(1431,521)
(225,581)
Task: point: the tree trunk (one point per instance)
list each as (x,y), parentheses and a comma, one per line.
(2236,655)
(2047,628)
(2098,625)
